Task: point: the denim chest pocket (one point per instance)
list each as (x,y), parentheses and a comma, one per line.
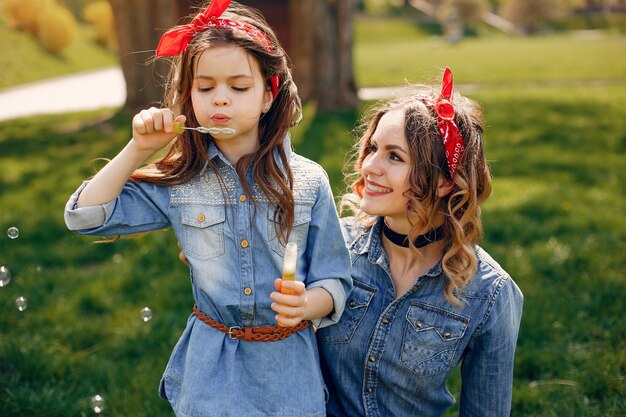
(203,231)
(356,307)
(431,336)
(301,220)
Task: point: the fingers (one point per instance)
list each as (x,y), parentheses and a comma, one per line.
(290,309)
(153,120)
(183,258)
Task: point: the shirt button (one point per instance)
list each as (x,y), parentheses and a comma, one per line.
(352,304)
(244,243)
(201,218)
(385,320)
(418,324)
(370,389)
(447,335)
(242,198)
(372,358)
(247,291)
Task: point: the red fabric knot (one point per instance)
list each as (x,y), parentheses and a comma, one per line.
(450,135)
(444,109)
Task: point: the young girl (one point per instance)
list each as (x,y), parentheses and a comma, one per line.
(234,198)
(426,297)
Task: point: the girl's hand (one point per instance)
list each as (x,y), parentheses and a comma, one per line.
(291,308)
(152,129)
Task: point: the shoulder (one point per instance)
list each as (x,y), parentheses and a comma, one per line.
(310,180)
(490,279)
(306,167)
(494,286)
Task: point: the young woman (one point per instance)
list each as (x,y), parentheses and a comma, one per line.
(426,297)
(234,197)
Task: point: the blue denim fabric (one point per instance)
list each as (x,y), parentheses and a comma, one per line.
(392,357)
(209,374)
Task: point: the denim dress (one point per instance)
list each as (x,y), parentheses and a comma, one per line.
(234,257)
(391,356)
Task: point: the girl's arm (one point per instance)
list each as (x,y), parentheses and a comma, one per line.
(303,305)
(487,369)
(152,130)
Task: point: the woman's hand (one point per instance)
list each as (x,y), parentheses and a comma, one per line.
(291,308)
(152,129)
(181,255)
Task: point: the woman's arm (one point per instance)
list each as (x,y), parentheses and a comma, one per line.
(487,368)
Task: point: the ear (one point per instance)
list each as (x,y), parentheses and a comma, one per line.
(444,186)
(268,99)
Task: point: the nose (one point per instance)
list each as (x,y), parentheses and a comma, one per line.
(371,165)
(220,98)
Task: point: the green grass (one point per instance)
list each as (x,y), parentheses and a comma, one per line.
(554,221)
(27,61)
(384,59)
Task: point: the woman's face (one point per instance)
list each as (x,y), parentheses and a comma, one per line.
(386,170)
(228,91)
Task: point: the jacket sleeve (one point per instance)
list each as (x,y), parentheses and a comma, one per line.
(487,368)
(140,207)
(327,255)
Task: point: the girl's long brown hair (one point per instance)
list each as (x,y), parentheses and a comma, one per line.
(188,154)
(472,180)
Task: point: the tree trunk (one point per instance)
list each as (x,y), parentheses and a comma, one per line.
(322,52)
(139,25)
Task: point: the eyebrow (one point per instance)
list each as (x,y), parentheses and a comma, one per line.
(207,77)
(392,147)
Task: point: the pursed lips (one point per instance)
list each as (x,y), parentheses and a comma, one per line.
(220,118)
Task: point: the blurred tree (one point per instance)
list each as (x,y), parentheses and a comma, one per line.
(456,15)
(321,52)
(321,35)
(531,15)
(139,25)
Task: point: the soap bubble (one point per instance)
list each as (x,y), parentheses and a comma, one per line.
(21,303)
(97,404)
(5,276)
(13,232)
(146,314)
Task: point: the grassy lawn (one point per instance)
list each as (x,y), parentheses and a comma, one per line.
(554,221)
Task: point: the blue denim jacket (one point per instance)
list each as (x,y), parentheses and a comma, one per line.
(234,257)
(392,357)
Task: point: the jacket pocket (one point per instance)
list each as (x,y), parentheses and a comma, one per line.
(203,231)
(302,218)
(431,336)
(356,307)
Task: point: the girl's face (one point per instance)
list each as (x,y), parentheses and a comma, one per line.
(386,170)
(228,91)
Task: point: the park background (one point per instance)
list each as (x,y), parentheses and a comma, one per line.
(554,97)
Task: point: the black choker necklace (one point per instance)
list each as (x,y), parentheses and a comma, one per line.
(422,240)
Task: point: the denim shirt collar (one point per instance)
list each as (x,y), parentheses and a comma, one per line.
(215,153)
(368,240)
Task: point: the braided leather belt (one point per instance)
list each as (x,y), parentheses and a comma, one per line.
(252,334)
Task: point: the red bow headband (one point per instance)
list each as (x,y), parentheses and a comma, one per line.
(175,40)
(452,139)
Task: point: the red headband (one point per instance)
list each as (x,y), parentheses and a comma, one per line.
(452,139)
(175,40)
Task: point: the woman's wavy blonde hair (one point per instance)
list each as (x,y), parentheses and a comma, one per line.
(188,155)
(471,181)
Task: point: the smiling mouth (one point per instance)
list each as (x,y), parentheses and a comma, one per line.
(376,188)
